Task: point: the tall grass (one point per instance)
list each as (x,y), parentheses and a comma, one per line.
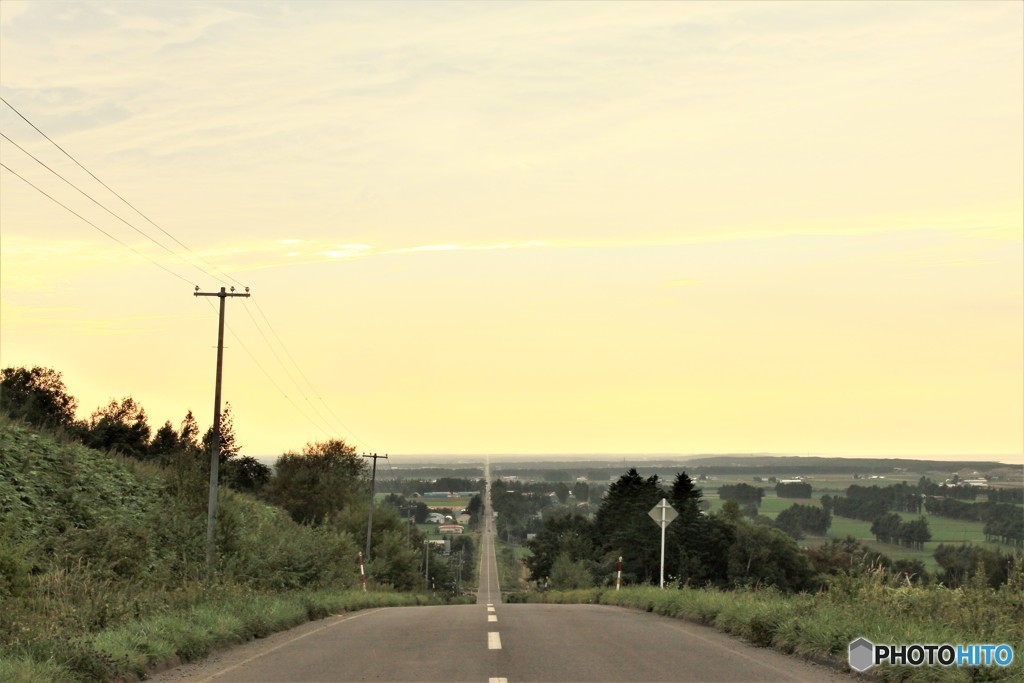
(822,625)
(236,616)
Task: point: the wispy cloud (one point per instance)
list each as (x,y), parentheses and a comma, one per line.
(265,254)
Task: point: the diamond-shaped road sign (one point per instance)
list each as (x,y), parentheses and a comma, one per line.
(663,513)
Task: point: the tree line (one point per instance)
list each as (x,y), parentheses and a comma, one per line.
(723,549)
(1003,522)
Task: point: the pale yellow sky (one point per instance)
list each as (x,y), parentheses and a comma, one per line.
(529,227)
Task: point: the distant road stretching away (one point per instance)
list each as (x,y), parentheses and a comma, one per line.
(494,643)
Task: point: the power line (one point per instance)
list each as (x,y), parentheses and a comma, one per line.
(97,203)
(285,368)
(345,427)
(187,262)
(113,192)
(277,386)
(70,210)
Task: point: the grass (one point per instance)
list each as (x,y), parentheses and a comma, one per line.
(822,625)
(135,648)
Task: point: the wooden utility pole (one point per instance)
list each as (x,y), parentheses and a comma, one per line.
(369,521)
(211,518)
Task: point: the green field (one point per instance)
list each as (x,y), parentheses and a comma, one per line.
(943,529)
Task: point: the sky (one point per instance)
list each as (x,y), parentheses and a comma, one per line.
(531,228)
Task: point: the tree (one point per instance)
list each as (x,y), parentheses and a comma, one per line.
(798,489)
(741,493)
(763,555)
(797,520)
(581,491)
(570,534)
(325,478)
(189,434)
(567,574)
(845,556)
(37,396)
(623,527)
(121,426)
(165,442)
(229,446)
(562,492)
(245,473)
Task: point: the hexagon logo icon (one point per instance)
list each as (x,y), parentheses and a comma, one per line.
(862,654)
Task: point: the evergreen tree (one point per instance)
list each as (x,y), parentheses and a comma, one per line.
(229,446)
(624,528)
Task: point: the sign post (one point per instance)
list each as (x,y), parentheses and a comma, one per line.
(663,514)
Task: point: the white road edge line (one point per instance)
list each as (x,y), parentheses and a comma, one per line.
(341,618)
(493,640)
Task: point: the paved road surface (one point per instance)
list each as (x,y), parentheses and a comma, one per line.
(489,592)
(494,643)
(590,643)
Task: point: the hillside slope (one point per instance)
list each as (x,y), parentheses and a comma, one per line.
(91,541)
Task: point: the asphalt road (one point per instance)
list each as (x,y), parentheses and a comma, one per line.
(591,643)
(489,591)
(490,642)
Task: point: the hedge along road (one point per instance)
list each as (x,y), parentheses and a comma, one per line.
(490,642)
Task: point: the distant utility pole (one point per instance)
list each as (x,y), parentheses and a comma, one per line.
(369,522)
(211,518)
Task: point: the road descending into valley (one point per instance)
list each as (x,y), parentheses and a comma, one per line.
(490,642)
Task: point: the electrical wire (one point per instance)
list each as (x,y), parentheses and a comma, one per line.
(259,329)
(97,203)
(338,421)
(72,211)
(113,192)
(285,368)
(267,374)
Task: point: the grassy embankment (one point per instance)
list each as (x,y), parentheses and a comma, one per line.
(822,625)
(102,564)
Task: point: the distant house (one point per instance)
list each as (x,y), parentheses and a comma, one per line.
(437,494)
(435,518)
(449,529)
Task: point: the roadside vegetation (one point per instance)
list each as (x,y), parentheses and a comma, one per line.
(103,568)
(820,625)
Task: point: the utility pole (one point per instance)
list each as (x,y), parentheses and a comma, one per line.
(211,518)
(369,521)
